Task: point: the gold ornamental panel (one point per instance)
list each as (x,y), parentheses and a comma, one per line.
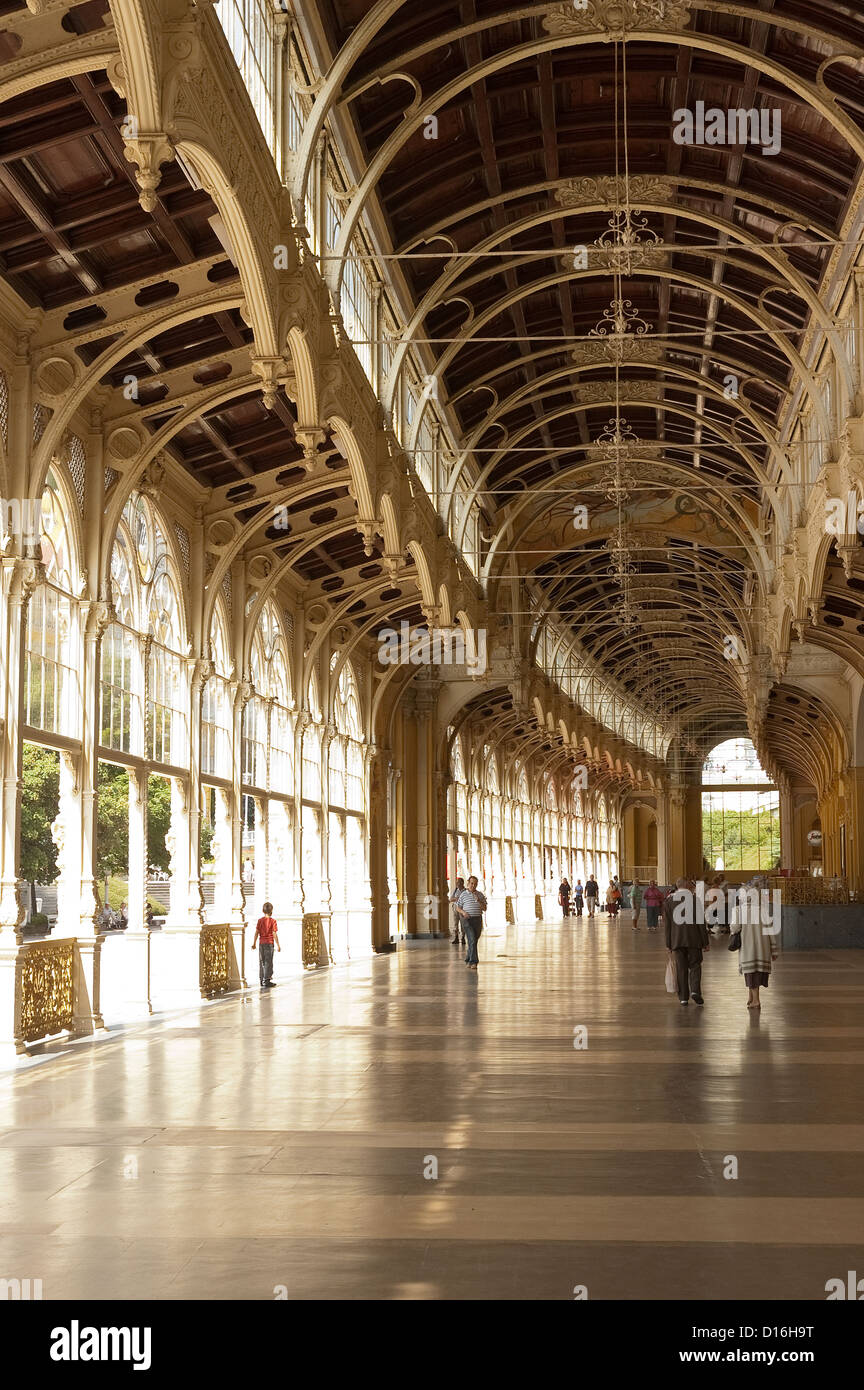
(508,910)
(215,957)
(538,907)
(46,990)
(314,945)
(807,891)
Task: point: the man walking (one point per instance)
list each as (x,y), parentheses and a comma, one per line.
(686,939)
(471,905)
(592,892)
(564,897)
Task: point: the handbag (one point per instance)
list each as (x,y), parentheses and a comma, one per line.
(734,941)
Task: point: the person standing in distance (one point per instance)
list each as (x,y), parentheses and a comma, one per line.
(267,933)
(454,898)
(636,894)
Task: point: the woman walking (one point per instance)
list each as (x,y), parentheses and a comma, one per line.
(564,897)
(757,954)
(653,900)
(613,898)
(578,897)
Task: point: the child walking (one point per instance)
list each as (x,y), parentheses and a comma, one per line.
(268,934)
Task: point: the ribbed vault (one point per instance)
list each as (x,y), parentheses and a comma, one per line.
(488,206)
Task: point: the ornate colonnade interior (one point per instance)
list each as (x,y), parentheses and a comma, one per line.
(319,322)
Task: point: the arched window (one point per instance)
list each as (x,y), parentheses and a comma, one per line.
(740,810)
(550,801)
(52,689)
(493,789)
(312,743)
(346,704)
(216,702)
(460,779)
(146,594)
(346,748)
(121,694)
(268,739)
(523,796)
(602,837)
(165,625)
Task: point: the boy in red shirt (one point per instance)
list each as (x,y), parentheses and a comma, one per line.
(268,934)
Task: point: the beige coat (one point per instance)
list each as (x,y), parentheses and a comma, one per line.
(758,949)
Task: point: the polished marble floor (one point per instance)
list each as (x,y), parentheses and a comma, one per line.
(286,1142)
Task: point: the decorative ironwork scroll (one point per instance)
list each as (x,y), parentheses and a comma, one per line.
(614,20)
(806,890)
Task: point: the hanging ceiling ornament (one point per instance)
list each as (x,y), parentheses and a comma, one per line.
(620,546)
(619,473)
(620,325)
(629,243)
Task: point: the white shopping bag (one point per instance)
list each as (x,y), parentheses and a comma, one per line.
(670,977)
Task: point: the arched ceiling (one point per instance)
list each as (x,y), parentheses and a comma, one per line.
(489,135)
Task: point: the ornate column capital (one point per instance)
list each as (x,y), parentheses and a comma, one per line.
(242,692)
(149,150)
(309,436)
(274,372)
(96,617)
(21,575)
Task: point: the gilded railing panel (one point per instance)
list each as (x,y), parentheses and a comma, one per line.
(46,1000)
(538,907)
(508,910)
(314,945)
(215,957)
(806,890)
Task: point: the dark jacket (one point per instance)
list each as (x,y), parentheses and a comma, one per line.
(682,935)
